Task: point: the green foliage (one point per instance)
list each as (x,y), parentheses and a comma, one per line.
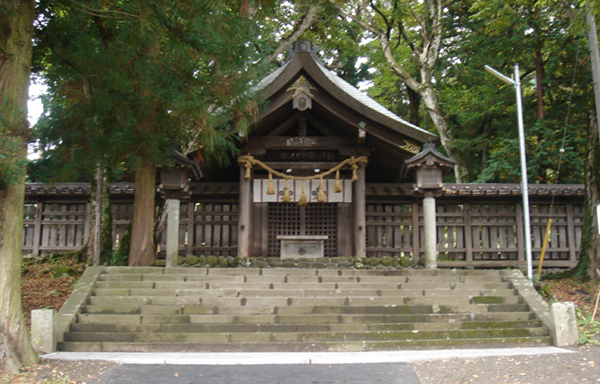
(589,331)
(106,231)
(127,79)
(121,256)
(63,271)
(482,110)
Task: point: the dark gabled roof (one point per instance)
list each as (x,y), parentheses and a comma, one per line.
(335,108)
(302,57)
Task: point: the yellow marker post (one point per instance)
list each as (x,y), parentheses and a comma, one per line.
(539,271)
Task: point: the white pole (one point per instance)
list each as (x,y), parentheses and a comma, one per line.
(524,185)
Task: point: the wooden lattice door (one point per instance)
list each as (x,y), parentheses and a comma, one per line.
(313,219)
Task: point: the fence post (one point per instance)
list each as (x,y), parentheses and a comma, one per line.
(416,229)
(37,228)
(173,206)
(430,230)
(520,235)
(468,234)
(571,235)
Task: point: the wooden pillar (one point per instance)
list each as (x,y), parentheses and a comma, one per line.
(191,233)
(173,207)
(244,218)
(360,219)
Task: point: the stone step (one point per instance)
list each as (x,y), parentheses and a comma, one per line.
(271,309)
(265,337)
(259,310)
(319,318)
(301,301)
(349,346)
(245,292)
(230,328)
(327,271)
(155,277)
(279,286)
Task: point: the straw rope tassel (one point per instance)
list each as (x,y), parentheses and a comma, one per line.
(271,189)
(321,198)
(248,170)
(337,188)
(303,200)
(354,175)
(286,193)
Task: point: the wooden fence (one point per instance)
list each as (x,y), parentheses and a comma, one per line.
(478,229)
(474,229)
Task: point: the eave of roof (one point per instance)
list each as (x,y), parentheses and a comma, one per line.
(349,95)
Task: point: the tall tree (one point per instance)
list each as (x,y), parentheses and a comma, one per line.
(417,26)
(482,110)
(127,79)
(16,34)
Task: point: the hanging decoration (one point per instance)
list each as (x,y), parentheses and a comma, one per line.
(249,161)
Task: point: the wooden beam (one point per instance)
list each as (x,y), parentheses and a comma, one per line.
(301,165)
(274,104)
(287,124)
(301,143)
(318,123)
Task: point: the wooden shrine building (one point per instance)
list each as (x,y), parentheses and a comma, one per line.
(306,162)
(372,188)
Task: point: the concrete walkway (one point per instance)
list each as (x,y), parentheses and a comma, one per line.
(297,358)
(275,368)
(396,373)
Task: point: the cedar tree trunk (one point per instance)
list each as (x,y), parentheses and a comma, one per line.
(592,194)
(142,252)
(539,75)
(16,33)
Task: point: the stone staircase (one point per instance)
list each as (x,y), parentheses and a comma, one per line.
(260,310)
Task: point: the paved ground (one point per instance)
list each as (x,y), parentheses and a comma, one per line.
(397,373)
(545,365)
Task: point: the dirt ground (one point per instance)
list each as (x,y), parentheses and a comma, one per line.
(43,287)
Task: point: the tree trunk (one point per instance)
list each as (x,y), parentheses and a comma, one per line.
(95,220)
(592,197)
(97,228)
(142,251)
(16,33)
(539,73)
(414,100)
(431,102)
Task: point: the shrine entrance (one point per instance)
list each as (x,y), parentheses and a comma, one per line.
(303,164)
(318,219)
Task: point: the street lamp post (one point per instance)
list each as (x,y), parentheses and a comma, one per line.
(524,187)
